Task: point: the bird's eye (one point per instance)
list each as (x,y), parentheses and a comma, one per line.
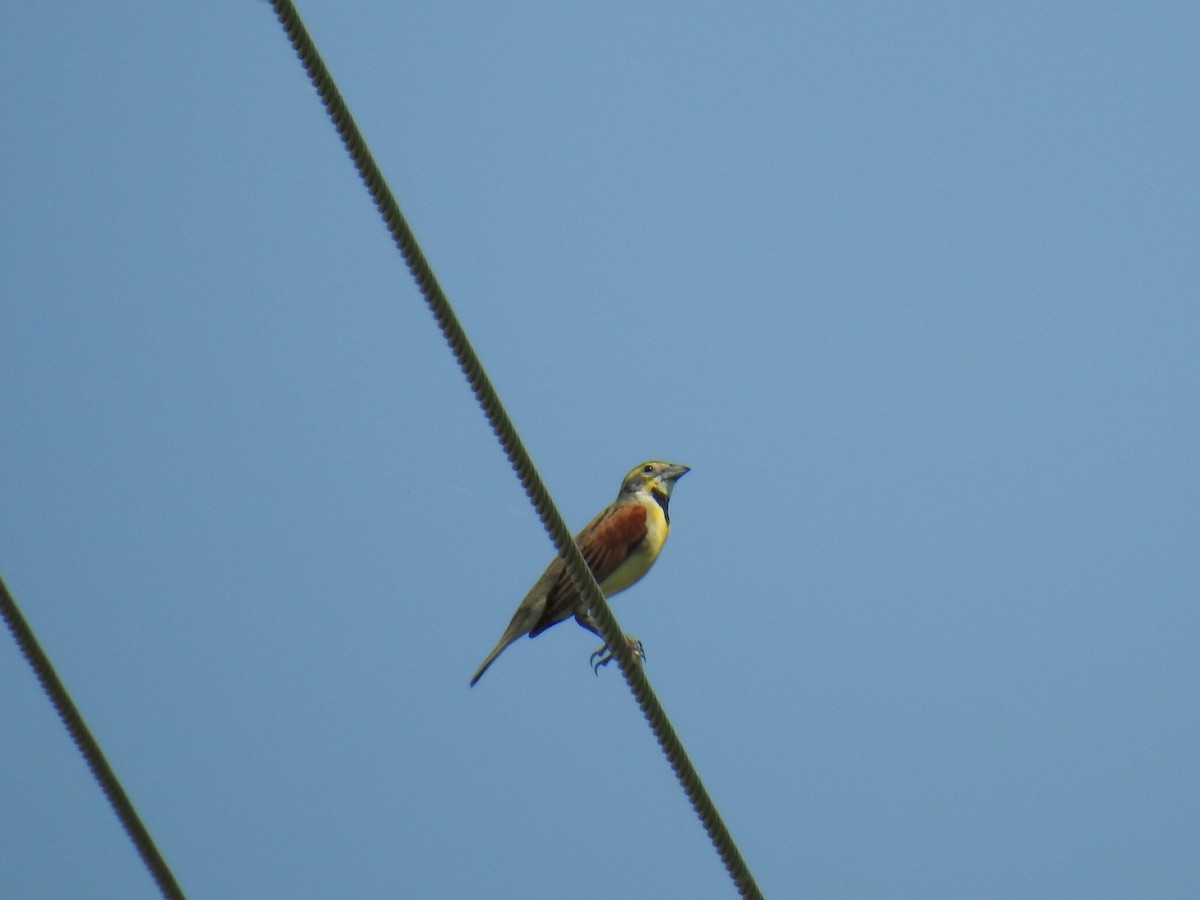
(647,469)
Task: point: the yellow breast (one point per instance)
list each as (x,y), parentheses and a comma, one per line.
(639,562)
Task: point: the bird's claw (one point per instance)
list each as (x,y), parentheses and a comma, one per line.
(603,657)
(600,658)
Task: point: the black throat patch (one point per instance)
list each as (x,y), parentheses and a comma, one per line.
(661,499)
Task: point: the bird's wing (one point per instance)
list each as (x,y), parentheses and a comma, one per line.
(605,544)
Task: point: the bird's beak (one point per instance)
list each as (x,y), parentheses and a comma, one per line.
(674,472)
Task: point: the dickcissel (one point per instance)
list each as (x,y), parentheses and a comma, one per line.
(619,545)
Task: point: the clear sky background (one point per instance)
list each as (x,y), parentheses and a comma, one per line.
(914,289)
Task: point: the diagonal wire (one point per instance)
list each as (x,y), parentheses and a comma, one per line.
(518,457)
(101,770)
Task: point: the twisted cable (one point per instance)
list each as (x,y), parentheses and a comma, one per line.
(514,449)
(69,713)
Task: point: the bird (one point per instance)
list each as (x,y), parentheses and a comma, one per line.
(619,545)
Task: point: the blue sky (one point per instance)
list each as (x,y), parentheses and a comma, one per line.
(914,292)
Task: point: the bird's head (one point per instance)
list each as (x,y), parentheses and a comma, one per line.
(653,479)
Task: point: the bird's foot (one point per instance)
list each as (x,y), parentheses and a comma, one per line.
(602,657)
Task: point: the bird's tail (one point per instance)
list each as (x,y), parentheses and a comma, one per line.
(491,657)
(523,620)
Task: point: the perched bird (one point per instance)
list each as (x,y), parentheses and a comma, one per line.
(620,545)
